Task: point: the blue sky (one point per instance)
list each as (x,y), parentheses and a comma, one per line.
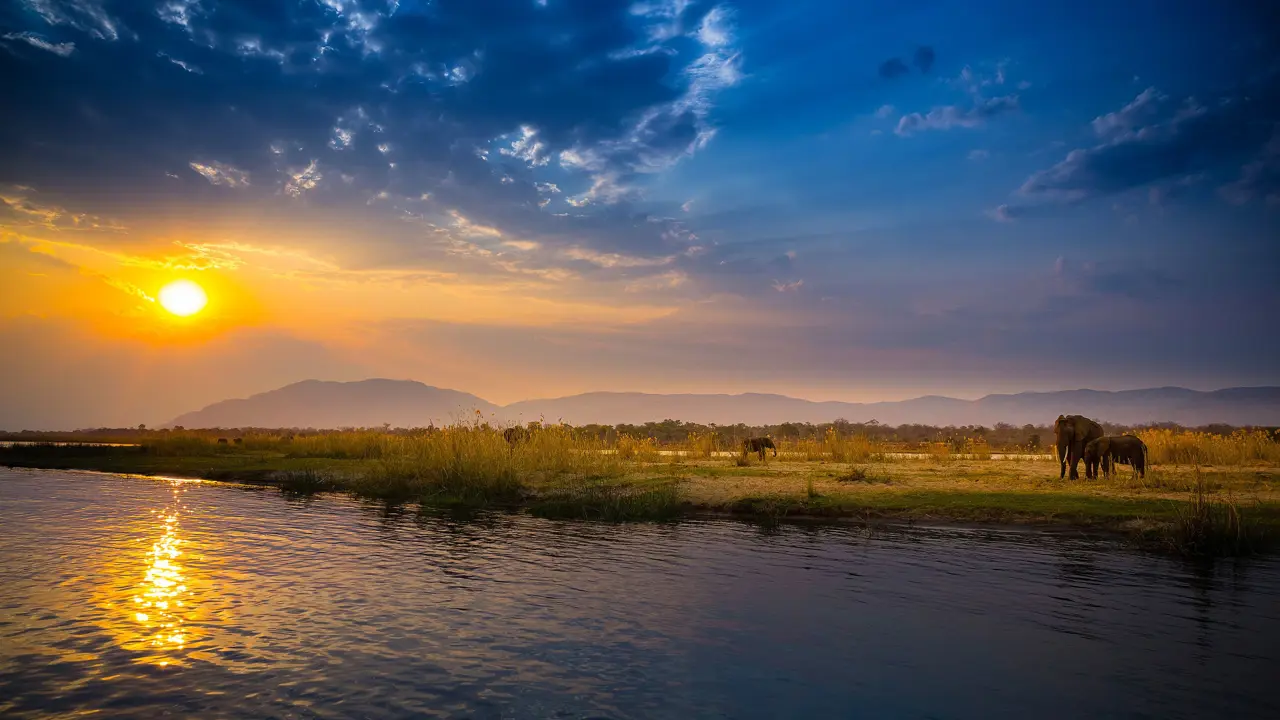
(830,199)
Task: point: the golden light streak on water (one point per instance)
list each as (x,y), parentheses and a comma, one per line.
(160,603)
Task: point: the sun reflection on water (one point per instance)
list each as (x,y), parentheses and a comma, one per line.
(161,603)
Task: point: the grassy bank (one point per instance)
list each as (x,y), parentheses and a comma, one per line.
(1216,509)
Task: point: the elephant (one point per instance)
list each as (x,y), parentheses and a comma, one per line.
(1071,433)
(515,434)
(757,445)
(1110,449)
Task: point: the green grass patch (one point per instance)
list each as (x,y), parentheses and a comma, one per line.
(610,502)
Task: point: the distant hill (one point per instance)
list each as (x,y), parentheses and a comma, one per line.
(406,403)
(321,404)
(1236,406)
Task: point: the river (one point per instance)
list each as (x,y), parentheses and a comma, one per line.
(137,597)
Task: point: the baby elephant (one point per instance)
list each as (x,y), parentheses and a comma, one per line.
(1108,450)
(757,445)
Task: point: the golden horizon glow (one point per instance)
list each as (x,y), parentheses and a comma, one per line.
(183,298)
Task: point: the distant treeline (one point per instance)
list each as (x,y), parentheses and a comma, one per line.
(675,432)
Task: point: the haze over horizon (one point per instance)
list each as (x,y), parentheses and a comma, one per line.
(538,198)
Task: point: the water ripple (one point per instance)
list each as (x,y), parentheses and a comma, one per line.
(130,596)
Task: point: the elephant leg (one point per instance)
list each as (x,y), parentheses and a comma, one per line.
(1073,457)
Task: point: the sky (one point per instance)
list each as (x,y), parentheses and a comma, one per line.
(533,198)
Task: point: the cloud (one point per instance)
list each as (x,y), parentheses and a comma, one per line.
(1161,194)
(27,212)
(716,28)
(979,154)
(924,58)
(892,68)
(63,49)
(178,12)
(220,174)
(978,108)
(184,65)
(1137,113)
(303,180)
(884,111)
(952,116)
(1003,213)
(1188,139)
(84,15)
(388,98)
(526,147)
(787,287)
(1259,178)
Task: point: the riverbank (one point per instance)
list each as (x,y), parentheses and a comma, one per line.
(1009,491)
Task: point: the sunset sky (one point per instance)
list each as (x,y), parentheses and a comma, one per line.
(532,198)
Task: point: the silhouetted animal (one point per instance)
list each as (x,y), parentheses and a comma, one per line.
(757,445)
(238,441)
(222,441)
(1108,450)
(1071,433)
(515,434)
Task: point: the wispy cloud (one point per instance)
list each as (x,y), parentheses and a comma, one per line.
(64,48)
(220,174)
(980,107)
(300,181)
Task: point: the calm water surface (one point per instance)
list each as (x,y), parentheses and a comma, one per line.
(135,597)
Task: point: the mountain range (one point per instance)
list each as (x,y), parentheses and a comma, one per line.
(407,403)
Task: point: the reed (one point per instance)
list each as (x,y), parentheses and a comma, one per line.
(1209,526)
(1241,447)
(629,447)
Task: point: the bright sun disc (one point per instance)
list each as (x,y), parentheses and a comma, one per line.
(182,298)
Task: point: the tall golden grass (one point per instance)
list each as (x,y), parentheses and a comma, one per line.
(703,445)
(835,447)
(558,449)
(629,447)
(1241,447)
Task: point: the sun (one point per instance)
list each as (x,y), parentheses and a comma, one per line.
(183,298)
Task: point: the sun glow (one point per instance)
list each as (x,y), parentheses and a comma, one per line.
(183,298)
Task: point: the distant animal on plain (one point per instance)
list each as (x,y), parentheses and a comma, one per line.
(222,441)
(757,445)
(1106,451)
(515,435)
(238,441)
(1071,433)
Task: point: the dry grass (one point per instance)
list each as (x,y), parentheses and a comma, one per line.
(1242,447)
(978,449)
(834,447)
(703,445)
(1209,526)
(474,465)
(643,450)
(939,452)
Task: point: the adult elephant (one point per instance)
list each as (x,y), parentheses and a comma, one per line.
(1071,433)
(1111,449)
(515,435)
(757,445)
